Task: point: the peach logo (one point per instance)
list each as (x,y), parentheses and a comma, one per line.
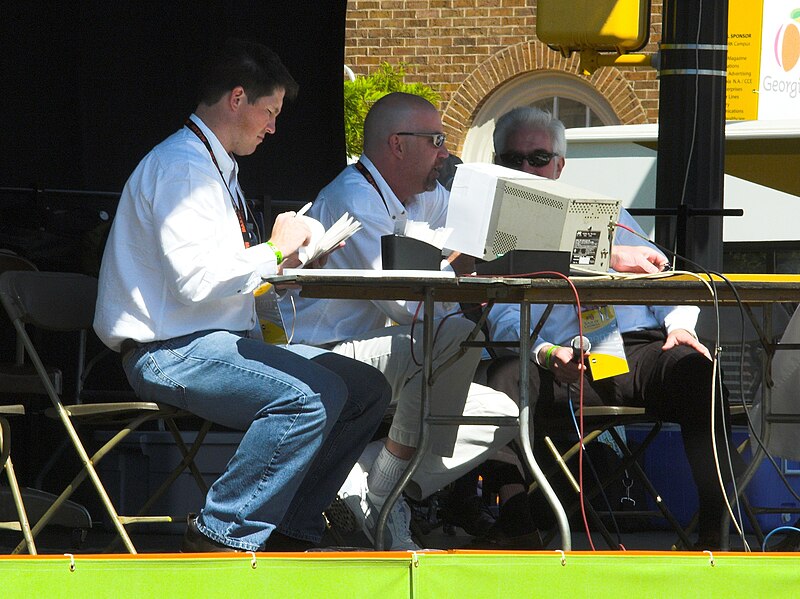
(787,42)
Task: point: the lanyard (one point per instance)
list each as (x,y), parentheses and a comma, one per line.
(236,202)
(371,180)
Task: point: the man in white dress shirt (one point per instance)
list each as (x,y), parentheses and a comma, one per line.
(176,300)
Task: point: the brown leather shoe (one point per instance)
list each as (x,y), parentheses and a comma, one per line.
(195,541)
(278,542)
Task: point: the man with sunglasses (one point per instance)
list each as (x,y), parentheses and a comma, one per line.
(533,149)
(395,182)
(670,370)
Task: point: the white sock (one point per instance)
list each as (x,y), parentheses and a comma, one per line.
(384,474)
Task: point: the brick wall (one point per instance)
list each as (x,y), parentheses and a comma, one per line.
(466,49)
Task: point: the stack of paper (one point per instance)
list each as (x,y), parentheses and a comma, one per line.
(423,232)
(323,241)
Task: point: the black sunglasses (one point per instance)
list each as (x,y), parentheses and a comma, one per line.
(537,158)
(437,138)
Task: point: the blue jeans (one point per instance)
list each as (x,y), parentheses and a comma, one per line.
(305,422)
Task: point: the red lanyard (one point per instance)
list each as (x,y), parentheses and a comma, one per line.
(371,180)
(236,202)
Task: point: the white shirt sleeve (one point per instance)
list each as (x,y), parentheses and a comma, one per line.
(677,317)
(203,260)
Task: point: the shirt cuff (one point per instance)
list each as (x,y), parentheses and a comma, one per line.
(535,352)
(264,260)
(684,317)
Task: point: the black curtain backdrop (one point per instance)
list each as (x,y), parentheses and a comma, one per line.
(90,87)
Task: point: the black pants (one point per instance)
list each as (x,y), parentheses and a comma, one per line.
(673,385)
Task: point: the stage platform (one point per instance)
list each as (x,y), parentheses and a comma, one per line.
(389,575)
(651,570)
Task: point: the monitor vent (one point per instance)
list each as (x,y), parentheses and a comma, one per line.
(593,208)
(532,196)
(503,243)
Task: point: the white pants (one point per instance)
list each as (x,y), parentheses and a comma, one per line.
(455,450)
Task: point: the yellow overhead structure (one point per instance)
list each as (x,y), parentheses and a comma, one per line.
(594,26)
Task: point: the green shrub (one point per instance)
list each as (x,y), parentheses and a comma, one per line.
(363,92)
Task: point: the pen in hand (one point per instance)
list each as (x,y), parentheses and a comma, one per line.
(304,209)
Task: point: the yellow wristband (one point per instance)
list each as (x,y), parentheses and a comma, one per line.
(277,252)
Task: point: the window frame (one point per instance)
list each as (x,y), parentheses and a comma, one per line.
(524,91)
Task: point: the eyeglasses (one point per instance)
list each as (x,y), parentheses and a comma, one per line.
(437,138)
(537,158)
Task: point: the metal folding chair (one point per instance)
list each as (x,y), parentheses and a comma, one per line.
(21,523)
(597,421)
(65,302)
(19,378)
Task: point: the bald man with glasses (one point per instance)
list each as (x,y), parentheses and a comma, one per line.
(394,182)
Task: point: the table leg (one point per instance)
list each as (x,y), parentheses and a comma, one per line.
(525,423)
(423,438)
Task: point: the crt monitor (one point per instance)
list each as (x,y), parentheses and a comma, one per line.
(494,210)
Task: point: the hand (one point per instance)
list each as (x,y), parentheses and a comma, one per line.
(563,368)
(637,258)
(289,234)
(462,263)
(684,337)
(293,261)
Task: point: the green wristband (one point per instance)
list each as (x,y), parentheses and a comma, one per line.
(548,356)
(277,252)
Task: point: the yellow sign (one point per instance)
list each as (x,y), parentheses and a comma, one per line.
(602,25)
(744,59)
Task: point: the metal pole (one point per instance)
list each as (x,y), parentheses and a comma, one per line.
(691,133)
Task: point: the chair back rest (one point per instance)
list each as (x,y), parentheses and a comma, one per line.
(11,261)
(55,301)
(743,382)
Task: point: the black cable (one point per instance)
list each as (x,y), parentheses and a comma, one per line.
(717,383)
(750,425)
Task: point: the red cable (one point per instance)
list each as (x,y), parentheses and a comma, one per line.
(560,275)
(580,392)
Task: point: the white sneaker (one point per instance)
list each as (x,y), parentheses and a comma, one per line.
(398,526)
(365,515)
(361,514)
(353,493)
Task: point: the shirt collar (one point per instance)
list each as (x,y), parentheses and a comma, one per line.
(226,162)
(387,192)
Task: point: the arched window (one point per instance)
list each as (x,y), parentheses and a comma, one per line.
(567,97)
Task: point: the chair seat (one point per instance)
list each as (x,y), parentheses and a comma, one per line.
(70,515)
(612,411)
(12,410)
(121,408)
